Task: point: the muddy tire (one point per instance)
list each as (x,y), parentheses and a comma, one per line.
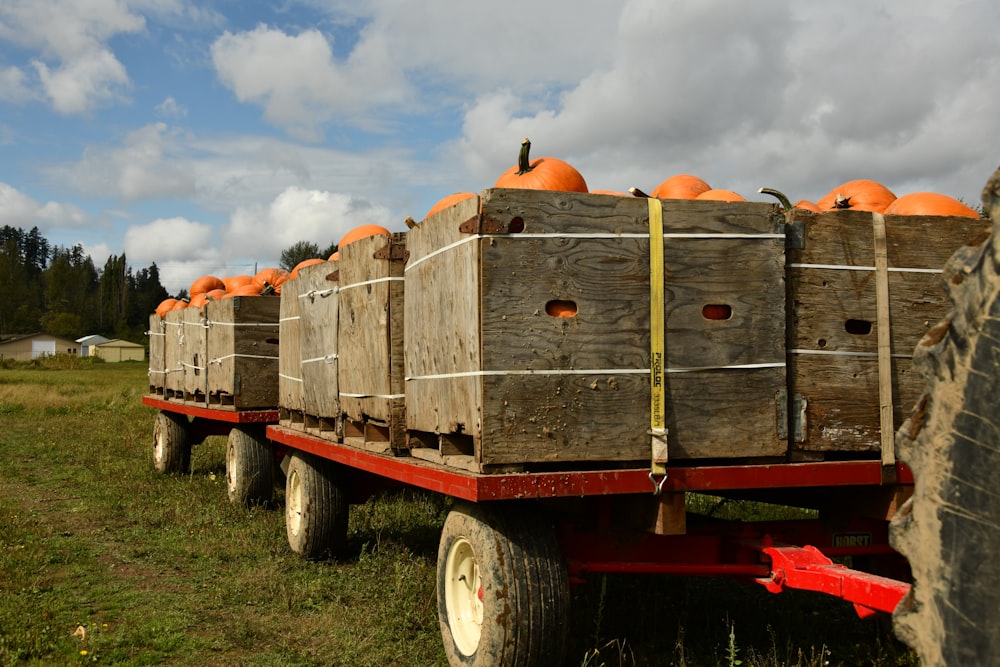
(502,588)
(950,530)
(249,466)
(171,445)
(316,509)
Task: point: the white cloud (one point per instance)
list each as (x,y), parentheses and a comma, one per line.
(150,164)
(169,108)
(297,215)
(76,70)
(182,250)
(14,86)
(18,209)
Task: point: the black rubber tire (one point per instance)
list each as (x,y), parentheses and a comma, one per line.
(316,508)
(171,446)
(249,466)
(950,529)
(502,588)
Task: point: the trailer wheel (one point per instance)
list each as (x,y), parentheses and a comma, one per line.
(171,447)
(249,466)
(316,509)
(950,529)
(502,588)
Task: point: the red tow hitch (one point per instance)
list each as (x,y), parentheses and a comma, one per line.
(806,568)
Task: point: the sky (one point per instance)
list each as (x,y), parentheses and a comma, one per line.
(209,136)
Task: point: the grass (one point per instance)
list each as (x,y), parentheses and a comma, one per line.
(102,560)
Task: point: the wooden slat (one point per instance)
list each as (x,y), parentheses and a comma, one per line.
(290,389)
(319,309)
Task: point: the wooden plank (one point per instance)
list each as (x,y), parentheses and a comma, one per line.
(443,335)
(243,351)
(157,353)
(290,390)
(319,305)
(173,351)
(370,332)
(194,355)
(833,330)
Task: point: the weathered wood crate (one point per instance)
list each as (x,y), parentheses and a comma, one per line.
(370,342)
(834,321)
(157,352)
(173,355)
(319,307)
(243,352)
(291,403)
(495,380)
(194,354)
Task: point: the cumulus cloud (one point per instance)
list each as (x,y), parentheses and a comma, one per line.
(182,250)
(18,209)
(150,164)
(76,70)
(298,215)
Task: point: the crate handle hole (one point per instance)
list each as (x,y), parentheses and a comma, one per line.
(516,225)
(717,311)
(821,342)
(858,327)
(561,308)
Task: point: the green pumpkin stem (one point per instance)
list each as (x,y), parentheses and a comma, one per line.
(523,163)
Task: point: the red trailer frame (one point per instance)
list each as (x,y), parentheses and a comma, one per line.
(765,552)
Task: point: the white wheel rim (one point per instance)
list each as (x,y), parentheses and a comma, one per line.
(463,591)
(158,438)
(230,466)
(293,503)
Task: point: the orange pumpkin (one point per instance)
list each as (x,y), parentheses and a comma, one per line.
(859,195)
(198,300)
(270,277)
(449,201)
(303,264)
(362,232)
(249,289)
(165,306)
(680,186)
(807,205)
(180,305)
(610,192)
(546,173)
(206,284)
(720,195)
(929,203)
(215,294)
(232,282)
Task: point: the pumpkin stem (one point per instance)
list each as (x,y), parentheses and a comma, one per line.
(636,192)
(841,201)
(779,195)
(523,163)
(410,222)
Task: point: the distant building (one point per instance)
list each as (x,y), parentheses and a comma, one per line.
(118,350)
(87,344)
(32,346)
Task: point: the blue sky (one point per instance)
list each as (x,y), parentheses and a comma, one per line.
(208,136)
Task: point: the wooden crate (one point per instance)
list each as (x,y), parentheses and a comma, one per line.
(833,327)
(370,342)
(243,352)
(194,354)
(319,306)
(493,380)
(291,403)
(157,352)
(173,354)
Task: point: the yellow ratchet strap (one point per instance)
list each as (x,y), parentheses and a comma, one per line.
(658,373)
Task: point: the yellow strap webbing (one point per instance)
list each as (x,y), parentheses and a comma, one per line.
(658,372)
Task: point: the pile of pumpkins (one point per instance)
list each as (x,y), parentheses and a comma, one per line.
(266,282)
(858,195)
(549,173)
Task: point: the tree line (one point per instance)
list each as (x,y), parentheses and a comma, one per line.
(60,291)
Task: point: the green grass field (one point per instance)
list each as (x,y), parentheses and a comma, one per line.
(103,560)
